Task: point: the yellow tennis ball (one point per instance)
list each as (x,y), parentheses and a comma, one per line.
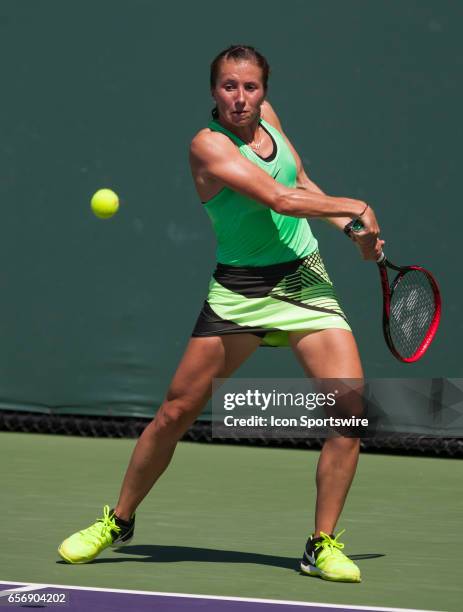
(105,203)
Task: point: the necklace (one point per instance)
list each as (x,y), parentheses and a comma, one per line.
(256,145)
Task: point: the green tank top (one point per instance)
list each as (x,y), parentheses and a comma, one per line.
(248,232)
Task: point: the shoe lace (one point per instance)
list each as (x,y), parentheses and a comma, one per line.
(99,531)
(330,543)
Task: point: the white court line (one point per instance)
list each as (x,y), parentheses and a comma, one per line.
(23,589)
(217,597)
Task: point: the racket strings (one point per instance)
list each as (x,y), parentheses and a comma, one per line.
(412,311)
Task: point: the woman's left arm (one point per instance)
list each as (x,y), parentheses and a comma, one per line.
(366,243)
(303,181)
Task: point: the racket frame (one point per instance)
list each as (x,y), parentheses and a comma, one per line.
(356,225)
(388,291)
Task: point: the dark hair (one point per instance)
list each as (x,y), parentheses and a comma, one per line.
(237,53)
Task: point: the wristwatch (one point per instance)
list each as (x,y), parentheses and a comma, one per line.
(348,228)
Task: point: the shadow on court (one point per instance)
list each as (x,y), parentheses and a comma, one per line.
(172,554)
(366,556)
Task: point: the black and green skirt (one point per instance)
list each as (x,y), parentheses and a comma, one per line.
(270,301)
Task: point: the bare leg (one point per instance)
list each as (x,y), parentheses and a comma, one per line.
(204,359)
(331,353)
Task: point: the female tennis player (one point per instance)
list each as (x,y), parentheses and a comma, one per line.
(270,287)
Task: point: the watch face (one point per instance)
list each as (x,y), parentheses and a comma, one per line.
(348,228)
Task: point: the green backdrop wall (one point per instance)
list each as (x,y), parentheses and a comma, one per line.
(95,314)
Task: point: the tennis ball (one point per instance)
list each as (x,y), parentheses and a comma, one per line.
(105,203)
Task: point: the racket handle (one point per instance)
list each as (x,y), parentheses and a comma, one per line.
(381,258)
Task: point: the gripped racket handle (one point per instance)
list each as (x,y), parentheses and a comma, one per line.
(357,226)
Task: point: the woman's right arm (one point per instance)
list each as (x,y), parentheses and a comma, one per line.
(213,156)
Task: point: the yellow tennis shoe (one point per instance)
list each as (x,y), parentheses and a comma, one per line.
(323,557)
(85,545)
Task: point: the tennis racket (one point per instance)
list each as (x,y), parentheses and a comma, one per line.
(411,307)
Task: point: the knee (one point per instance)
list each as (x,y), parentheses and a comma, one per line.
(177,412)
(350,401)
